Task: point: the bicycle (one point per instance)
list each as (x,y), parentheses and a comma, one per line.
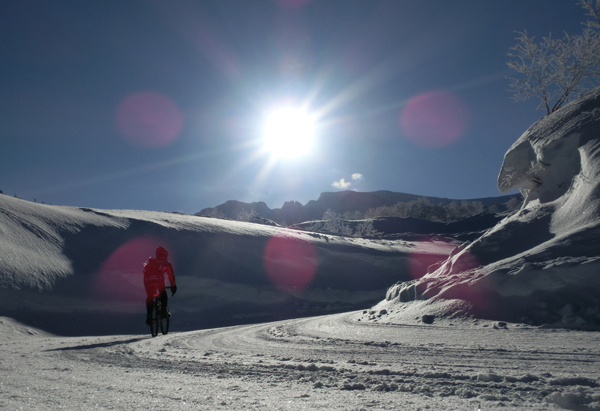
(157,319)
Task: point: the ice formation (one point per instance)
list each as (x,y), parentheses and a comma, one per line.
(541,264)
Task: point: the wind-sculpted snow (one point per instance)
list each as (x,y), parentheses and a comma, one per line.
(85,266)
(542,264)
(336,362)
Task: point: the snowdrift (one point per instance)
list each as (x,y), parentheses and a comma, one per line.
(78,270)
(540,265)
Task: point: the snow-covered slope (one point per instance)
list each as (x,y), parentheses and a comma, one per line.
(540,265)
(78,271)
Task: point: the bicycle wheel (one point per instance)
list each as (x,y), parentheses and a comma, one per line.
(164,325)
(155,319)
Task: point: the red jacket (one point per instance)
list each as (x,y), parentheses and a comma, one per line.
(154,272)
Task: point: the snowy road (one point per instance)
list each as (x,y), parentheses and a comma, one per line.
(330,362)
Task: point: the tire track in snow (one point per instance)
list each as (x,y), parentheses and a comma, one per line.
(518,367)
(330,362)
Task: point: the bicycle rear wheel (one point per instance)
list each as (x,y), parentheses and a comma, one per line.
(155,320)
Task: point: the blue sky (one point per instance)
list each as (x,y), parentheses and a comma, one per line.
(77,78)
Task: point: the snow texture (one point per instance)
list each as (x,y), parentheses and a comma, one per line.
(540,265)
(334,362)
(86,265)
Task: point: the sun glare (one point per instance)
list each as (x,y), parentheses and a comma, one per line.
(289,132)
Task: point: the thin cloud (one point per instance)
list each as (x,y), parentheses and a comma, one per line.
(357,176)
(342,184)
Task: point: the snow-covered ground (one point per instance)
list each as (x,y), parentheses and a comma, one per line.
(460,330)
(333,362)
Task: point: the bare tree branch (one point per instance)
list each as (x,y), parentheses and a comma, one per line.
(556,70)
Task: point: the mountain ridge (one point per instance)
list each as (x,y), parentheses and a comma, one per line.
(293,212)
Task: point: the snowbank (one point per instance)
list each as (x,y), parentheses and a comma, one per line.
(78,270)
(540,265)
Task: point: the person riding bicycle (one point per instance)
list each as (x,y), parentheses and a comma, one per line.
(154,280)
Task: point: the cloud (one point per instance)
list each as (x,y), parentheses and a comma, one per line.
(357,176)
(341,184)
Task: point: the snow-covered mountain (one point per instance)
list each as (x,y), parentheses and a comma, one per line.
(78,270)
(293,212)
(540,265)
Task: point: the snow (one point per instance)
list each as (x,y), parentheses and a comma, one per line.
(539,266)
(507,321)
(333,362)
(86,264)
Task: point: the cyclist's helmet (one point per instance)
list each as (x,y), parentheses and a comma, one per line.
(161,253)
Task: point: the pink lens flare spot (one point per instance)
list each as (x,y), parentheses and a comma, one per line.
(290,263)
(149,119)
(434,119)
(464,284)
(121,277)
(418,264)
(432,253)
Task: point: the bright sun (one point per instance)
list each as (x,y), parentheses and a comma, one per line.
(289,132)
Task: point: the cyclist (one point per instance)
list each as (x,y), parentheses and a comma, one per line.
(154,279)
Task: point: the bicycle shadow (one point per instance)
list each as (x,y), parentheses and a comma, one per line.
(98,345)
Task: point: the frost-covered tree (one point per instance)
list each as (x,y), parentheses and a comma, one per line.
(423,209)
(334,224)
(365,229)
(592,7)
(216,213)
(557,70)
(247,215)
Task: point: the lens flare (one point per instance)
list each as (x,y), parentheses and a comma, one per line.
(434,119)
(431,254)
(291,263)
(149,119)
(418,264)
(462,287)
(453,279)
(120,278)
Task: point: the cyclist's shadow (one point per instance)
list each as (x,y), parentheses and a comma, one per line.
(98,345)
